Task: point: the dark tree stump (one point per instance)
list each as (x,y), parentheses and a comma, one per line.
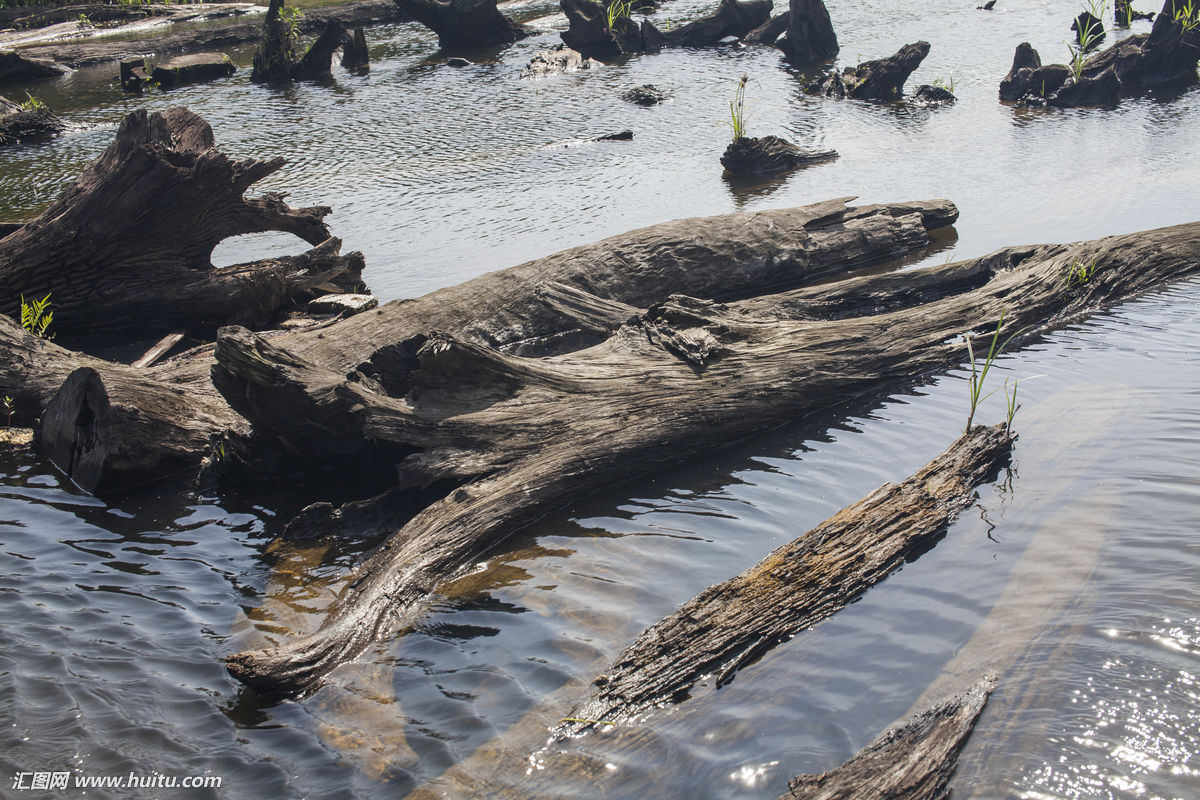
(810,38)
(645,95)
(732,18)
(769,155)
(275,59)
(19,125)
(466,25)
(127,246)
(590,35)
(1089,31)
(1124,13)
(355,55)
(882,79)
(769,31)
(933,95)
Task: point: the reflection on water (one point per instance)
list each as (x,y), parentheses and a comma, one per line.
(1074,578)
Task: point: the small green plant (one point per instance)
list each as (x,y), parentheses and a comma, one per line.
(1087,38)
(291,18)
(979,374)
(84,21)
(1080,272)
(1010,399)
(31,103)
(34,316)
(618,9)
(737,109)
(1187,15)
(947,84)
(9,409)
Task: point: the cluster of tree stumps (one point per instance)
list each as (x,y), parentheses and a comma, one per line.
(276,61)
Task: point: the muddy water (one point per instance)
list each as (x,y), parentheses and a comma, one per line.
(1073,578)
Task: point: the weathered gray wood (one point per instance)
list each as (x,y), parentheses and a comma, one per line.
(518,436)
(914,760)
(160,349)
(798,585)
(127,246)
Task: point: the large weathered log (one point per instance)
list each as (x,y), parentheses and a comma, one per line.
(735,622)
(913,760)
(467,25)
(1167,56)
(520,435)
(810,37)
(127,246)
(882,79)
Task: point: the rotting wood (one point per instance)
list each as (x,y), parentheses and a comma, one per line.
(519,436)
(127,246)
(798,585)
(913,760)
(511,310)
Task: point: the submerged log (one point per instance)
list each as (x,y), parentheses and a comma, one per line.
(769,155)
(192,68)
(1165,57)
(127,246)
(810,38)
(16,68)
(469,25)
(511,437)
(882,79)
(913,760)
(798,585)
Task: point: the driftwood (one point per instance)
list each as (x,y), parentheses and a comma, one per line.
(127,246)
(466,25)
(275,60)
(716,257)
(810,38)
(19,124)
(1165,57)
(734,623)
(507,437)
(591,35)
(769,155)
(882,79)
(913,760)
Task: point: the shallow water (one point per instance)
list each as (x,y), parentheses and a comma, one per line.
(1074,578)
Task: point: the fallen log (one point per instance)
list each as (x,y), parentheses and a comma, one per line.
(465,25)
(882,79)
(913,760)
(510,437)
(525,309)
(798,585)
(1165,57)
(809,38)
(127,246)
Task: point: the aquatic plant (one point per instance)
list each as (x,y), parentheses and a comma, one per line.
(1087,37)
(34,316)
(1080,272)
(979,374)
(737,109)
(1187,15)
(9,409)
(84,21)
(618,9)
(31,103)
(947,84)
(291,19)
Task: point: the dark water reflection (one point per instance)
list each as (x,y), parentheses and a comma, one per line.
(1074,578)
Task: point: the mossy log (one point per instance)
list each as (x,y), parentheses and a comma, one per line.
(798,585)
(913,760)
(127,247)
(511,437)
(465,25)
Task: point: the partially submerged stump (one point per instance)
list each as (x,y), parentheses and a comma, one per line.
(1165,57)
(798,585)
(928,95)
(192,68)
(769,155)
(275,59)
(1124,13)
(810,38)
(913,760)
(505,438)
(1089,31)
(591,34)
(882,79)
(19,124)
(645,95)
(556,61)
(770,31)
(127,246)
(468,25)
